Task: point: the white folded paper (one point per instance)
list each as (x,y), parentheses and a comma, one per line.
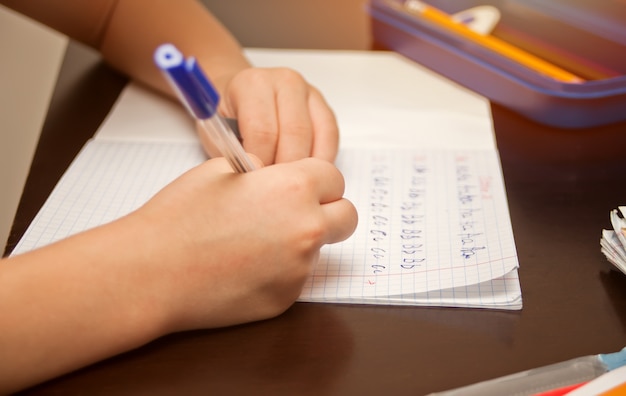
(613,242)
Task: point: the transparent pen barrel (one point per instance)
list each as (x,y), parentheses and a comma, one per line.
(226,143)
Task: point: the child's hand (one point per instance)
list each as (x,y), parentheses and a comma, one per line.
(281,117)
(232,248)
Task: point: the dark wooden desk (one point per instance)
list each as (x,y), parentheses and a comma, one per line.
(561,185)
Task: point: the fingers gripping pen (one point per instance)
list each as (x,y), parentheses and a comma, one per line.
(199,96)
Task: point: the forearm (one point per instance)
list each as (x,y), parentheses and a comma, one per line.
(75,302)
(127,32)
(138,27)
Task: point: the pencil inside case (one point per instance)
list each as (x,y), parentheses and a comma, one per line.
(599,100)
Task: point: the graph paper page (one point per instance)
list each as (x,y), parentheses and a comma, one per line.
(429,221)
(433,227)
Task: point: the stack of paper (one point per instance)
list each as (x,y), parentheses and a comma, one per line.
(613,242)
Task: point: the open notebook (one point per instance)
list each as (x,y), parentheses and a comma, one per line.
(434,226)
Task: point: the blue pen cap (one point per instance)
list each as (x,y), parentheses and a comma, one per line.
(614,360)
(193,86)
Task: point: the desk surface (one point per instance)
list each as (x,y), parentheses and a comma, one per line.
(561,185)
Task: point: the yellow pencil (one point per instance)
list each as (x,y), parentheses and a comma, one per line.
(503,48)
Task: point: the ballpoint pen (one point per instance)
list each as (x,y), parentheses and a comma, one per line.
(201,99)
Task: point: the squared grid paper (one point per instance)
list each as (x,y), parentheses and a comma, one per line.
(441,214)
(434,229)
(107,180)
